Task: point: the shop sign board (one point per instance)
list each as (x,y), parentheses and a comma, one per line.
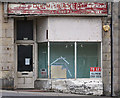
(59,8)
(95,72)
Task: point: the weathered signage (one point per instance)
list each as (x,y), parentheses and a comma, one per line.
(58,8)
(95,72)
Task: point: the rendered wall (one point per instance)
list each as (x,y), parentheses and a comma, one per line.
(42,26)
(69,29)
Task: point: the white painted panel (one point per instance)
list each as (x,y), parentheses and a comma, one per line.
(28,80)
(21,80)
(75,29)
(42,26)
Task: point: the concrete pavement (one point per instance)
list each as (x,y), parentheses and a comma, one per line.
(30,93)
(24,93)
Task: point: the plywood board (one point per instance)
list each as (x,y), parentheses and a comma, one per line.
(58,72)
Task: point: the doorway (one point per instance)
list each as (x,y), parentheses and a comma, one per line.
(25,66)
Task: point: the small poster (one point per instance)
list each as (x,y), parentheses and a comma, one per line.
(95,72)
(27,61)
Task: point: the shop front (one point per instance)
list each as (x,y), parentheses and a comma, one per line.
(58,45)
(74,46)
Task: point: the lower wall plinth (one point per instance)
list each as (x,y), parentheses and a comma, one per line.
(76,86)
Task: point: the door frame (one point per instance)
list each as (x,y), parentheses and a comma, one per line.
(28,42)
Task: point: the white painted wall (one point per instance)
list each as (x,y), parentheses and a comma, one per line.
(42,26)
(69,29)
(75,29)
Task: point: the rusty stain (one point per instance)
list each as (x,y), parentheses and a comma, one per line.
(59,8)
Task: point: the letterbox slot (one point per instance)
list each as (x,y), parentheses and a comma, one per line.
(24,73)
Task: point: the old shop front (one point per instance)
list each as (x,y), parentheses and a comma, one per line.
(58,45)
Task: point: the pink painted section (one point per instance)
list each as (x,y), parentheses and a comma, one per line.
(59,8)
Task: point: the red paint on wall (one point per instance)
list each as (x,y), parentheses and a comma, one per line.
(59,8)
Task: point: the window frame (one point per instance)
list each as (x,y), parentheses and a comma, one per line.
(34,31)
(75,60)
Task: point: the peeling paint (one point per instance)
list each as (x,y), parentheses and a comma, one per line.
(59,8)
(79,86)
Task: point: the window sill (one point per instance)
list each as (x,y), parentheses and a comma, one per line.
(71,79)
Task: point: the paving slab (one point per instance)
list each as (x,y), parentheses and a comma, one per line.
(37,94)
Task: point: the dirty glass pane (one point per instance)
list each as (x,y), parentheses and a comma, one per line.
(62,60)
(24,30)
(88,55)
(25,58)
(42,60)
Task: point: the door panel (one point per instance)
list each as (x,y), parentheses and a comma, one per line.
(25,66)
